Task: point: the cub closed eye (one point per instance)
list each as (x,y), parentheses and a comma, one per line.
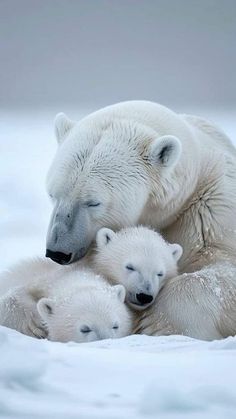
(115,327)
(160,274)
(130,268)
(85,329)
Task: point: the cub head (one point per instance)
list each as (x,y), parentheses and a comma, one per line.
(138,258)
(94,313)
(102,178)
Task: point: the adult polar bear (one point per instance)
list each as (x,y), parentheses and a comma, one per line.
(138,162)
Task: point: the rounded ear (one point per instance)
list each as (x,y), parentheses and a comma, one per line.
(120,292)
(62,125)
(104,236)
(176,250)
(165,151)
(45,308)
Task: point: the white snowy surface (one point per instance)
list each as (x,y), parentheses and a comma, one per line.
(134,377)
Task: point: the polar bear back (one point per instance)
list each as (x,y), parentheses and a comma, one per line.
(159,118)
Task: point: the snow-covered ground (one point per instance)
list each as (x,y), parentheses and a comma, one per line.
(134,377)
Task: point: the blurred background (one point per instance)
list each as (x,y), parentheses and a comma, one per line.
(95,52)
(78,55)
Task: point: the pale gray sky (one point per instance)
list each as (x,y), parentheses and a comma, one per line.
(96,52)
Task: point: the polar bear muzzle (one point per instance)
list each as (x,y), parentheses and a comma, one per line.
(68,238)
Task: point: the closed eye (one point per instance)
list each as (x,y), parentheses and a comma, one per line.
(92,204)
(160,274)
(130,268)
(115,327)
(85,329)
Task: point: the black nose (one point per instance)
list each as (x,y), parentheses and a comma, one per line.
(144,298)
(58,257)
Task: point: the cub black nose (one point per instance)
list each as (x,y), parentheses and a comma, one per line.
(144,298)
(58,257)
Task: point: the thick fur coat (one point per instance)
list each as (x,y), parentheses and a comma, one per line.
(42,299)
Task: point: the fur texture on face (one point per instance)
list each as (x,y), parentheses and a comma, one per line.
(140,259)
(86,313)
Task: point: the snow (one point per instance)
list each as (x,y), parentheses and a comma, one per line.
(134,377)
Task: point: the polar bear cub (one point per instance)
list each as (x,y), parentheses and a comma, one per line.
(87,310)
(138,258)
(68,304)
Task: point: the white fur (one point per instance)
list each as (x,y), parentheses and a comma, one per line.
(201,305)
(107,159)
(138,258)
(39,298)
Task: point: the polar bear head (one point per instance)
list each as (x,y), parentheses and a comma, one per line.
(140,259)
(103,177)
(94,313)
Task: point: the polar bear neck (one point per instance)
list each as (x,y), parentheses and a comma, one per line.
(172,190)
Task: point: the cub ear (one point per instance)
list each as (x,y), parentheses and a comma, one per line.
(63,125)
(45,308)
(104,236)
(176,250)
(120,292)
(165,151)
